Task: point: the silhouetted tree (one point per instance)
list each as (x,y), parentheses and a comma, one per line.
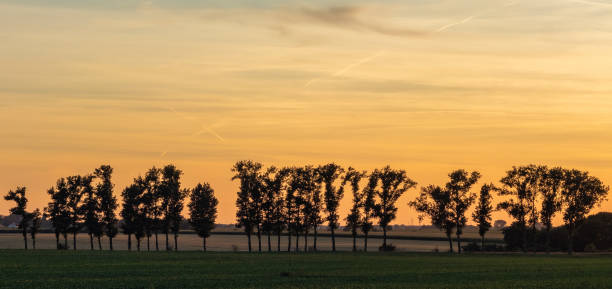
(203,211)
(36,219)
(310,196)
(353,220)
(394,183)
(249,201)
(520,183)
(581,193)
(273,205)
(151,208)
(291,217)
(369,207)
(435,202)
(77,187)
(108,202)
(169,191)
(130,213)
(58,211)
(550,185)
(92,215)
(21,201)
(461,198)
(482,214)
(297,198)
(175,208)
(329,174)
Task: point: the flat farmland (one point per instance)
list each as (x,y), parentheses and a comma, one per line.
(121,269)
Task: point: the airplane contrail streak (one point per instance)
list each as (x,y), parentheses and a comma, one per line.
(447,26)
(205,128)
(594,3)
(348,67)
(470,18)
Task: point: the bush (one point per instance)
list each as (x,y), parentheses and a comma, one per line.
(388,248)
(594,234)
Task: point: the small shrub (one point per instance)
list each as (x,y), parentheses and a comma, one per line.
(388,248)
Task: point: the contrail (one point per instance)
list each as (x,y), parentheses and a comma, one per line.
(470,18)
(204,128)
(348,67)
(594,3)
(447,26)
(381,52)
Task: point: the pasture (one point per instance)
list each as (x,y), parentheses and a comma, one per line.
(121,269)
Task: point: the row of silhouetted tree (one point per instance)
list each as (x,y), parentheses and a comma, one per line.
(297,200)
(152,205)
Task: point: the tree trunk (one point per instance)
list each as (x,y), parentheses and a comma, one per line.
(450,242)
(167,245)
(548,239)
(259,238)
(279,241)
(306,241)
(25,239)
(175,241)
(74,240)
(249,241)
(110,243)
(269,242)
(354,241)
(297,241)
(384,238)
(91,247)
(156,242)
(289,241)
(148,243)
(524,235)
(129,242)
(57,242)
(458,243)
(570,240)
(100,243)
(316,235)
(34,242)
(65,241)
(204,244)
(333,239)
(482,246)
(138,244)
(365,241)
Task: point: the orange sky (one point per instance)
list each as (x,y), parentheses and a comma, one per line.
(426,86)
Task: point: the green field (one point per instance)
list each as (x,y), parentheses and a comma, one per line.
(85,269)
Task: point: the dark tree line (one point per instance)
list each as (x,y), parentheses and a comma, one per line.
(298,200)
(153,204)
(532,194)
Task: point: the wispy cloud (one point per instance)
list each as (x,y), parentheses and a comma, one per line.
(347,17)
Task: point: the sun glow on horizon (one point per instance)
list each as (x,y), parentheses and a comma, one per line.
(424,86)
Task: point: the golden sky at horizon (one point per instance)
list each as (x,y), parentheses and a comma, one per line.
(425,86)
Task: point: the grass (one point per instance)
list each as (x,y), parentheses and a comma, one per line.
(85,269)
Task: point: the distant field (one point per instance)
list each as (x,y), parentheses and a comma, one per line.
(229,240)
(84,269)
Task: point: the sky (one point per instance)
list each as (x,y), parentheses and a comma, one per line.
(425,86)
